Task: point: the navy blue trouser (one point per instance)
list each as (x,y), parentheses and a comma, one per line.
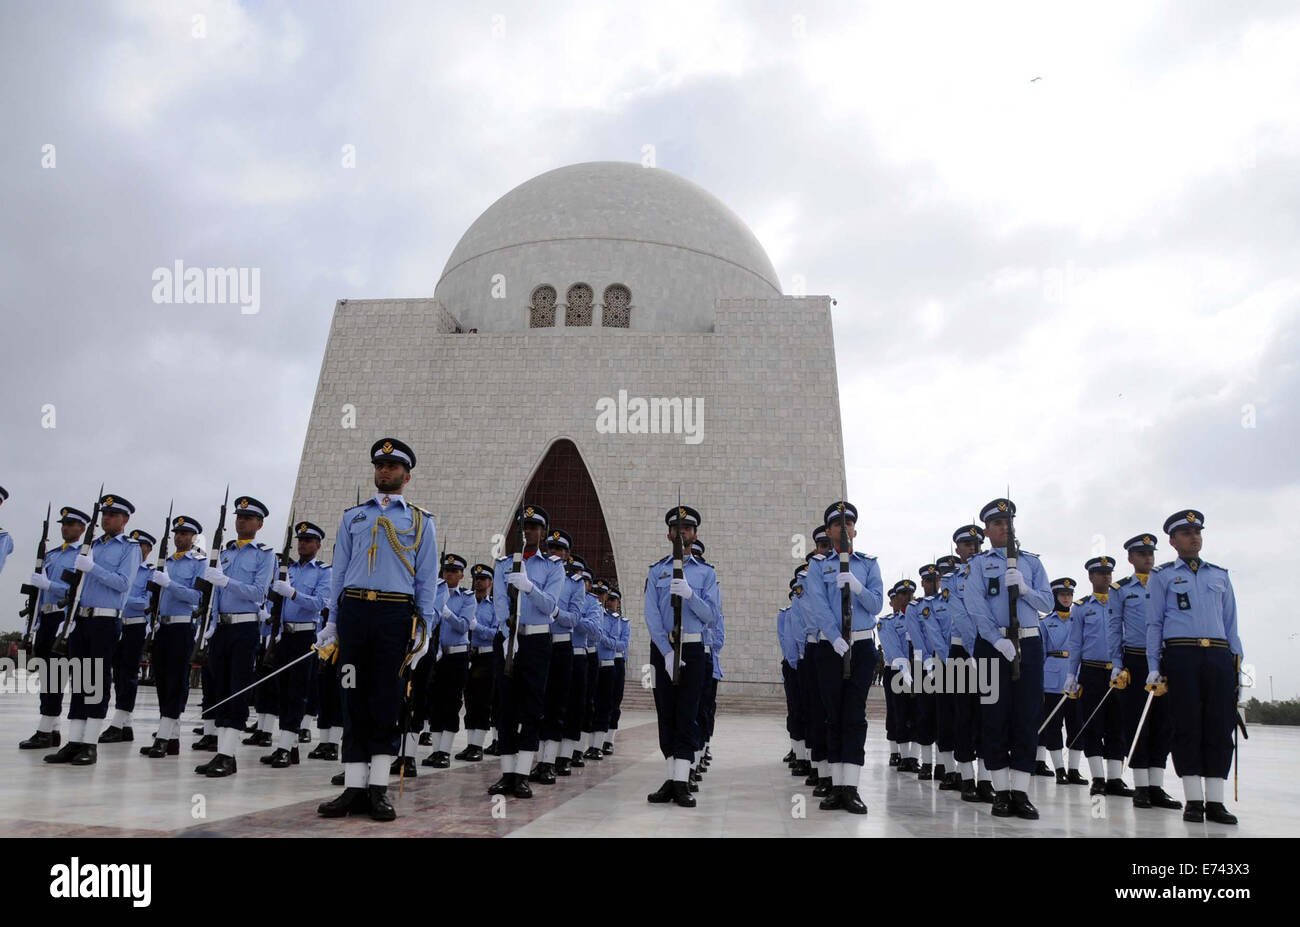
(1202,695)
(814,716)
(1067,714)
(620,680)
(677,705)
(523,695)
(577,709)
(126,666)
(593,673)
(898,711)
(231,653)
(845,700)
(329,695)
(559,677)
(793,714)
(92,641)
(945,706)
(1152,747)
(266,697)
(373,640)
(51,696)
(478,692)
(604,699)
(1104,736)
(172,646)
(446,690)
(1010,724)
(965,715)
(294,682)
(313,688)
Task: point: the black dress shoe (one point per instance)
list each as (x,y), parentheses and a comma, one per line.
(593,753)
(1194,813)
(324,751)
(788,758)
(1002,805)
(428,760)
(304,736)
(221,766)
(206,742)
(1141,797)
(116,735)
(1022,807)
(895,759)
(88,755)
(968,792)
(258,739)
(607,748)
(503,786)
(492,749)
(441,760)
(352,801)
(562,766)
(1098,786)
(251,728)
(1042,769)
(202,768)
(159,749)
(543,774)
(521,788)
(951,782)
(381,809)
(823,788)
(692,785)
(1074,777)
(939,772)
(693,775)
(799,768)
(832,801)
(1214,811)
(577,761)
(664,794)
(984,791)
(851,801)
(64,753)
(396,768)
(41,740)
(473,754)
(682,794)
(426,739)
(1060,777)
(197,730)
(278,759)
(812,778)
(1161,799)
(911,764)
(927,772)
(1118,787)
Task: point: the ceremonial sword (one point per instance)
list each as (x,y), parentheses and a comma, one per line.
(1079,733)
(294,662)
(1055,708)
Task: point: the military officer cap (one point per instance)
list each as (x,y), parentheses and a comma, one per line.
(794,581)
(832,512)
(392,449)
(790,594)
(481,571)
(558,537)
(586,574)
(998,508)
(907,585)
(577,561)
(112,503)
(1141,542)
(969,533)
(600,586)
(1100,565)
(454,562)
(68,513)
(819,534)
(186,523)
(306,529)
(684,514)
(697,547)
(929,571)
(614,594)
(946,564)
(4,494)
(1065,584)
(533,514)
(1183,519)
(144,537)
(247,505)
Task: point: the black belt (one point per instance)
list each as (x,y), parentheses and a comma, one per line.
(374,595)
(1098,664)
(1195,642)
(1135,651)
(1058,653)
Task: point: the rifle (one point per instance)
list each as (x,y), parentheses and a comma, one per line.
(155,595)
(32,592)
(1013,592)
(204,611)
(516,605)
(678,573)
(277,600)
(73,579)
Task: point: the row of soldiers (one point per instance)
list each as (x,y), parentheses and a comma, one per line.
(1064,668)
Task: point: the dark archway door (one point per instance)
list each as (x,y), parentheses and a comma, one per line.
(564,488)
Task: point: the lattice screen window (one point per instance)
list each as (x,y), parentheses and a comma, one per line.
(617,309)
(541,309)
(578,311)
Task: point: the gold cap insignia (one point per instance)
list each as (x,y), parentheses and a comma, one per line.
(387,447)
(528,512)
(798,590)
(681,512)
(302,527)
(242,503)
(108,500)
(1148,539)
(1002,506)
(178,522)
(1191,517)
(135,535)
(63,512)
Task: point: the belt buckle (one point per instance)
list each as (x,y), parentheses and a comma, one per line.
(371,595)
(1205,642)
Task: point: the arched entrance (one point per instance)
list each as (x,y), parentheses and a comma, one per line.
(563,487)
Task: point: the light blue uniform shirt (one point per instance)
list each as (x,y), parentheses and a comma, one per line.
(717,638)
(1094,632)
(923,628)
(250,569)
(181,597)
(624,636)
(960,623)
(589,625)
(454,631)
(6,547)
(1182,603)
(137,601)
(570,603)
(357,534)
(892,632)
(311,587)
(606,646)
(116,561)
(1055,628)
(991,611)
(547,575)
(486,617)
(57,559)
(698,612)
(824,596)
(1128,599)
(784,638)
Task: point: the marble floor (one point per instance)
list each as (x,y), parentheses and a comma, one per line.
(747,793)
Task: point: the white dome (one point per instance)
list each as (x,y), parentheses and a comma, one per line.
(674,246)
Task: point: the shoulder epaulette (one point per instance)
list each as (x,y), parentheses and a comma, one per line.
(231,544)
(555,558)
(1123,582)
(1027,552)
(865,556)
(261,546)
(1114,585)
(503,557)
(359,505)
(1156,569)
(323,565)
(1081,601)
(1215,565)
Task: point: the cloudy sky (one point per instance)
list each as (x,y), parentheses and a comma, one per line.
(1064,246)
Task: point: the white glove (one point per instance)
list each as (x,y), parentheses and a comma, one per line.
(420,651)
(263,614)
(839,646)
(1153,677)
(327,635)
(900,665)
(283,587)
(473,623)
(1006,648)
(928,664)
(1016,578)
(907,678)
(1114,673)
(668,666)
(85,563)
(160,579)
(40,581)
(1071,684)
(214,575)
(848,579)
(682,588)
(520,581)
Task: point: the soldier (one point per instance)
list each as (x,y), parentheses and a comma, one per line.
(537,585)
(173,638)
(945,770)
(1010,722)
(624,634)
(478,688)
(789,681)
(587,748)
(817,771)
(1094,637)
(305,593)
(109,569)
(606,647)
(242,578)
(452,669)
(418,707)
(716,636)
(924,632)
(1151,747)
(844,700)
(6,542)
(892,631)
(381,598)
(50,612)
(976,783)
(1056,627)
(559,675)
(677,691)
(130,645)
(1191,612)
(586,635)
